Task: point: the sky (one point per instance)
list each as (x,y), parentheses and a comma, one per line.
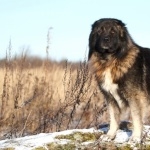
(26,23)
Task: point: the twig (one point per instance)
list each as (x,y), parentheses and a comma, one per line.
(22,131)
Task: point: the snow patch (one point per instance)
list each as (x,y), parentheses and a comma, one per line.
(30,142)
(40,140)
(122,136)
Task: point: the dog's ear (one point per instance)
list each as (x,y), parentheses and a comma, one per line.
(121,27)
(91,44)
(95,24)
(119,22)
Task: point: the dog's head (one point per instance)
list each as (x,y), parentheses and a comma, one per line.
(108,37)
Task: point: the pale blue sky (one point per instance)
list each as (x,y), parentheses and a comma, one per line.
(26,23)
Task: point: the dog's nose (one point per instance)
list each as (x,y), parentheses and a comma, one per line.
(106,39)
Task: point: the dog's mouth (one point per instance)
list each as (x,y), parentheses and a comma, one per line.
(107,49)
(106,46)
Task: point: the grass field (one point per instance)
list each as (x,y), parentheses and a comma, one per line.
(46,96)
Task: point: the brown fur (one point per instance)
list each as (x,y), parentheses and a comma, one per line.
(118,67)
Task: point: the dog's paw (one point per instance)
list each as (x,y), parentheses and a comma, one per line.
(135,139)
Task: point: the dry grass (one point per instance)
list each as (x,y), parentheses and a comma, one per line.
(46,96)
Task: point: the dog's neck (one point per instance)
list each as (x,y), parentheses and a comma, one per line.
(117,66)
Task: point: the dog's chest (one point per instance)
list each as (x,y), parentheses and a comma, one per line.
(107,83)
(109,86)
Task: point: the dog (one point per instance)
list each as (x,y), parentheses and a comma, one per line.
(122,71)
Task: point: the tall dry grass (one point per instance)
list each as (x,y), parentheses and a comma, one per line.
(46,96)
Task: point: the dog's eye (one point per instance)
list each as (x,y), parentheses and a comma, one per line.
(98,31)
(101,29)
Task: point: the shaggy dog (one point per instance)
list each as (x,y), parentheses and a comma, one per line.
(122,70)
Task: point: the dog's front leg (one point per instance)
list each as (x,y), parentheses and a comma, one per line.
(114,121)
(137,122)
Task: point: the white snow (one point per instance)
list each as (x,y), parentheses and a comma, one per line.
(122,136)
(31,142)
